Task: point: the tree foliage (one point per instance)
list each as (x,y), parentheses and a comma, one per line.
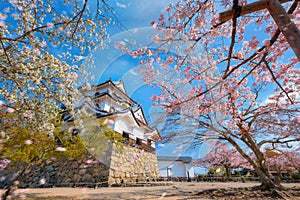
(20,144)
(234,80)
(222,156)
(42,44)
(96,134)
(287,161)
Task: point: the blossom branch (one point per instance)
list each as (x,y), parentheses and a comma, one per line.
(80,16)
(276,81)
(261,49)
(233,33)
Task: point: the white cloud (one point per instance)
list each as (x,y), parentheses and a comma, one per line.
(134,73)
(121,5)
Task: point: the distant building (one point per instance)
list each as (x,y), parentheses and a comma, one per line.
(175,166)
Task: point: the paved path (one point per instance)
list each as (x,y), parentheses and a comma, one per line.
(179,190)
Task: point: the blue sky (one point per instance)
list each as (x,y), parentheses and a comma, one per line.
(135,16)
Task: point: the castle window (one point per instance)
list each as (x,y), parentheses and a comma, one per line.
(149,142)
(75,131)
(97,94)
(125,135)
(138,141)
(112,109)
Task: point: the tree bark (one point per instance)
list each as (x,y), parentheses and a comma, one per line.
(228,171)
(12,188)
(247,9)
(266,181)
(260,167)
(286,25)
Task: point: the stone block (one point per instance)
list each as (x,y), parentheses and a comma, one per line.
(111,173)
(66,168)
(87,178)
(76,178)
(68,180)
(82,171)
(83,166)
(123,174)
(74,165)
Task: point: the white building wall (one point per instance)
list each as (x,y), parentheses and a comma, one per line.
(138,132)
(191,171)
(121,125)
(153,144)
(162,167)
(176,168)
(106,107)
(89,93)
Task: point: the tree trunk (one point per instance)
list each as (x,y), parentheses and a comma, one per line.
(261,168)
(228,171)
(266,181)
(9,192)
(12,188)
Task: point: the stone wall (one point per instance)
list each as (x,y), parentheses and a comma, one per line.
(129,164)
(123,165)
(59,172)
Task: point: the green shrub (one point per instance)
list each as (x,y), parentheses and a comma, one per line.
(296,176)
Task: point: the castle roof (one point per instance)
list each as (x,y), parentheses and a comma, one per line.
(185,159)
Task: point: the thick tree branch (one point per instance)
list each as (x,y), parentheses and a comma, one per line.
(250,8)
(261,49)
(277,141)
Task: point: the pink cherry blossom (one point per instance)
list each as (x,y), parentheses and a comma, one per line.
(105,121)
(75,75)
(121,5)
(2,23)
(28,142)
(42,181)
(154,24)
(89,161)
(60,149)
(43,43)
(28,114)
(10,110)
(50,25)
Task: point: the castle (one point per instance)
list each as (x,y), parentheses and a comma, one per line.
(110,101)
(135,162)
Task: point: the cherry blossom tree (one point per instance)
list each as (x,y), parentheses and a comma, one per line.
(222,156)
(42,45)
(287,161)
(234,80)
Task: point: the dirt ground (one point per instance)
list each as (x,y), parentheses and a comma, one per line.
(178,190)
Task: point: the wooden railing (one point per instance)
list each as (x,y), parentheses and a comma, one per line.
(143,146)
